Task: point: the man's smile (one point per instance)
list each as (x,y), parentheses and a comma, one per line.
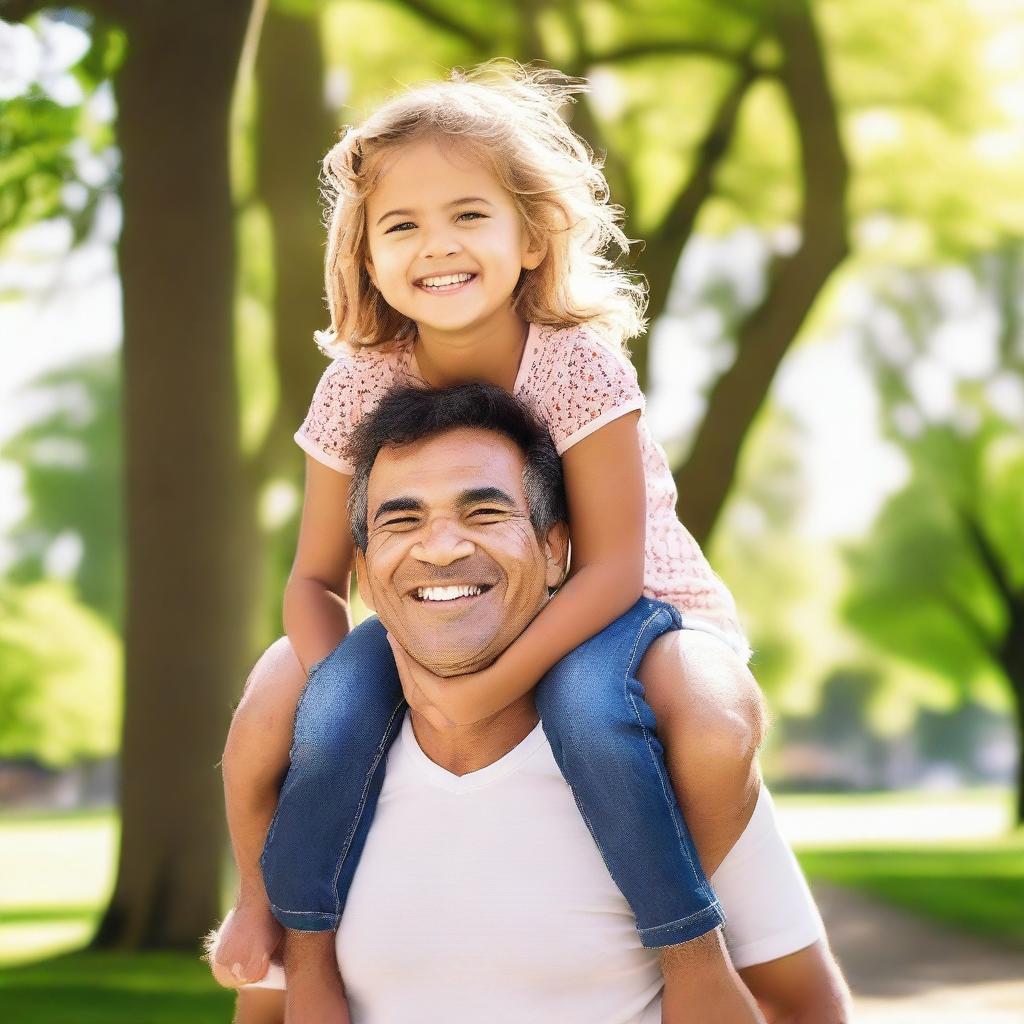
(452,592)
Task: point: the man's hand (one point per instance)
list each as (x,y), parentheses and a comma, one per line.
(702,987)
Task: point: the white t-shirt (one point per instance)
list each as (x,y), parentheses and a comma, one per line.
(484,898)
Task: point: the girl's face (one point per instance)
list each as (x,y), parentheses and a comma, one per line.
(446,243)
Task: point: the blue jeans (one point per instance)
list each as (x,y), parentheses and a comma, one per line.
(601,732)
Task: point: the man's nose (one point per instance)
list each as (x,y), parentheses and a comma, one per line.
(443,544)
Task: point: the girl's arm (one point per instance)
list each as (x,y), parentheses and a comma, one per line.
(604,484)
(316,597)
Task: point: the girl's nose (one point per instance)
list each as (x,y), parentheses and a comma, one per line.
(439,244)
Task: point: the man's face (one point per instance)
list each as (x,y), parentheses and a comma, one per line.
(453,566)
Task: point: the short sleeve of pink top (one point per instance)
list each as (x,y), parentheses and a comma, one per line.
(576,385)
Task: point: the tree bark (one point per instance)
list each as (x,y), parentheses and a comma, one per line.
(705,479)
(294,131)
(187,613)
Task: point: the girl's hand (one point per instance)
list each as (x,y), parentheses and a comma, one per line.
(420,686)
(465,699)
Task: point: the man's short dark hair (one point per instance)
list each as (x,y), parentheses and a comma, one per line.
(409,414)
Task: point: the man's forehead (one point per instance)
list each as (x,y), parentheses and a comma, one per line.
(444,466)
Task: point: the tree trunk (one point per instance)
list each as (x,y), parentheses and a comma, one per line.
(187,602)
(294,131)
(706,478)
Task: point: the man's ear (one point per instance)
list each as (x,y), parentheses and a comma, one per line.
(361,579)
(556,552)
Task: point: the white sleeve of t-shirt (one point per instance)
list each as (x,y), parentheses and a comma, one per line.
(769,908)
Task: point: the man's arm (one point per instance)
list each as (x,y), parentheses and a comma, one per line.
(806,987)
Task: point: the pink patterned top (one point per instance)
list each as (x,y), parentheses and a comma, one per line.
(575,385)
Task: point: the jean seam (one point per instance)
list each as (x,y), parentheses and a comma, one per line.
(705,885)
(714,907)
(381,751)
(334,919)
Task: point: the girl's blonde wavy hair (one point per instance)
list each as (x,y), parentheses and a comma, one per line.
(506,116)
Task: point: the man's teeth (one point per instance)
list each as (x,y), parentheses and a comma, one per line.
(441,282)
(446,593)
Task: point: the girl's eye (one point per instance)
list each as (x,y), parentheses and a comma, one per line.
(471,213)
(400,227)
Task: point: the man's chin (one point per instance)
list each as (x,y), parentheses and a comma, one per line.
(460,664)
(457,659)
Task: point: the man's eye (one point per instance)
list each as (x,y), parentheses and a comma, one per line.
(487,512)
(403,521)
(400,227)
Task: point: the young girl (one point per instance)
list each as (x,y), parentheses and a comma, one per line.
(466,242)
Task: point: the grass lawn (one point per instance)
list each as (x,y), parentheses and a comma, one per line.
(113,988)
(977,887)
(948,856)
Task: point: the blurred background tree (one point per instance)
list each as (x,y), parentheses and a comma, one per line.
(755,145)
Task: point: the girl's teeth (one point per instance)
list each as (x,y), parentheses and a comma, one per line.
(446,593)
(446,281)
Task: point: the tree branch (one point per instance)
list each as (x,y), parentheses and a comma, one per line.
(988,557)
(682,215)
(763,339)
(965,616)
(666,244)
(668,47)
(444,21)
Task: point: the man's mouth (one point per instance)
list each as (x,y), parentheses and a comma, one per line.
(443,284)
(456,592)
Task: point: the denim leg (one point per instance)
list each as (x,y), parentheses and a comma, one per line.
(602,733)
(348,717)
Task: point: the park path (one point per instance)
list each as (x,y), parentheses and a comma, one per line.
(905,970)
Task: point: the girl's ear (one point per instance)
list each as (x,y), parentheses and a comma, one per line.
(533,253)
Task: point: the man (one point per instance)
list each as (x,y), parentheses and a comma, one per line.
(480,895)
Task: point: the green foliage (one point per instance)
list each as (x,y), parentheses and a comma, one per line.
(936,582)
(935,172)
(43,139)
(60,676)
(71,460)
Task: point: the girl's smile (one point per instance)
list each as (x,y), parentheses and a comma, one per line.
(446,284)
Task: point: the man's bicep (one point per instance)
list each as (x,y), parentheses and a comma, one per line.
(260,736)
(804,986)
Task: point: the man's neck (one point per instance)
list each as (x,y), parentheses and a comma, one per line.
(462,749)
